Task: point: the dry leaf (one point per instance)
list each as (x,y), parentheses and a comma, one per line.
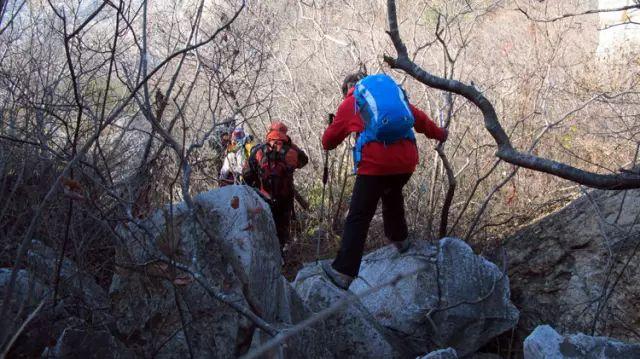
(183,279)
(235,202)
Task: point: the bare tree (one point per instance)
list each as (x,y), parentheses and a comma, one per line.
(99,109)
(625,179)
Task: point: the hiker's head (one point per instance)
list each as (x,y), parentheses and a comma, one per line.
(278,126)
(277,131)
(238,134)
(224,137)
(350,81)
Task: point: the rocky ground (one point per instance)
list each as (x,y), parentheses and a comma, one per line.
(577,269)
(186,276)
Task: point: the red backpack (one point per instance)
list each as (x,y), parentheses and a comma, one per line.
(272,165)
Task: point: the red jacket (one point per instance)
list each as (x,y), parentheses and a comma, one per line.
(377,159)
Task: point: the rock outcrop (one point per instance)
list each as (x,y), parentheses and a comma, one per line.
(178,270)
(79,301)
(447,297)
(546,343)
(29,292)
(230,241)
(310,342)
(448,353)
(76,343)
(433,296)
(81,296)
(577,269)
(352,332)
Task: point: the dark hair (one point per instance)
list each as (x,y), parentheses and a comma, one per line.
(350,81)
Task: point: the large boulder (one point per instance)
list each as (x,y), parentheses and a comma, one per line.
(77,343)
(307,343)
(352,332)
(440,295)
(29,292)
(546,343)
(79,299)
(229,239)
(76,288)
(448,353)
(577,268)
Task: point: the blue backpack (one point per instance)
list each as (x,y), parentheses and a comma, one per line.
(384,108)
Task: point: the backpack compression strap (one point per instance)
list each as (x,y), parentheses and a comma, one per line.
(384,109)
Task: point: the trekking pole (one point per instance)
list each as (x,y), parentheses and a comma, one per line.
(325,179)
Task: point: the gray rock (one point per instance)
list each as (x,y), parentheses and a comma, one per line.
(48,324)
(290,308)
(448,297)
(28,293)
(74,343)
(232,243)
(28,290)
(310,343)
(448,353)
(559,265)
(76,288)
(483,356)
(546,343)
(351,332)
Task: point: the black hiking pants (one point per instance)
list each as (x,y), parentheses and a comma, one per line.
(367,191)
(281,210)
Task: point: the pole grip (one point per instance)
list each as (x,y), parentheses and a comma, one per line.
(331,117)
(325,174)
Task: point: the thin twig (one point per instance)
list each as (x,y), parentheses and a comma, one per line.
(21,329)
(588,12)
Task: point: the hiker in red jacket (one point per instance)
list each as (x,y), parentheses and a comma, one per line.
(382,171)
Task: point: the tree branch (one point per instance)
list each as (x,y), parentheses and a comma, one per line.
(35,219)
(588,12)
(3,5)
(505,151)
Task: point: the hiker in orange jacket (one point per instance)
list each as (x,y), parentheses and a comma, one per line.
(270,169)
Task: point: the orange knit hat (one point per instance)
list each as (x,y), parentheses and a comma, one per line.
(277,131)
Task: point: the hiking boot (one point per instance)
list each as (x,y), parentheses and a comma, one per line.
(402,246)
(340,280)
